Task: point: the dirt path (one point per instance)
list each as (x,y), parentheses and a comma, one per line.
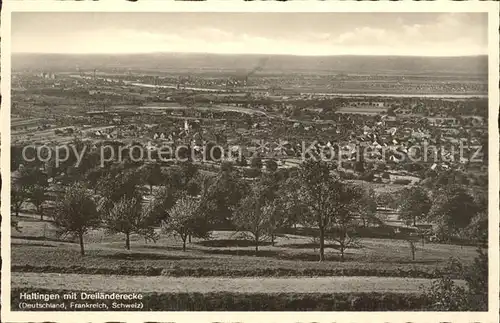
(213,284)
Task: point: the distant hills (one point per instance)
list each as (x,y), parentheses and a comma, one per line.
(466,65)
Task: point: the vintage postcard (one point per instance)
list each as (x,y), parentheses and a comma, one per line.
(240,162)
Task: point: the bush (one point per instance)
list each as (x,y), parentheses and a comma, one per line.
(386,175)
(445,295)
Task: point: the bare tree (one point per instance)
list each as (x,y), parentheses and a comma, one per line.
(18,195)
(251,217)
(38,196)
(128,217)
(331,204)
(185,219)
(276,218)
(76,213)
(413,248)
(345,233)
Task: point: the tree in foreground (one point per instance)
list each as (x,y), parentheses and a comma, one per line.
(221,196)
(276,218)
(18,195)
(290,202)
(24,183)
(253,215)
(163,200)
(344,223)
(185,219)
(414,204)
(38,196)
(452,209)
(368,207)
(318,194)
(330,202)
(128,217)
(115,186)
(412,244)
(76,213)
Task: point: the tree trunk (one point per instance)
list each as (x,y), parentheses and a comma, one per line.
(151,189)
(82,250)
(184,244)
(321,244)
(127,240)
(189,238)
(414,221)
(272,240)
(256,244)
(342,249)
(17,211)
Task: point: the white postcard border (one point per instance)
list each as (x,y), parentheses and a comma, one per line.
(240,6)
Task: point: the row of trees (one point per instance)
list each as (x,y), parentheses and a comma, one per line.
(189,202)
(120,207)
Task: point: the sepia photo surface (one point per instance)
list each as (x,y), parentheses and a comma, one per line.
(251,162)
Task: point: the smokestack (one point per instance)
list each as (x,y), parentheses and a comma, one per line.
(260,65)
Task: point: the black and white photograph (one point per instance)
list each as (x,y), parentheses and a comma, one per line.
(251,161)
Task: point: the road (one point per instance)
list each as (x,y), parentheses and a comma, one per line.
(164,284)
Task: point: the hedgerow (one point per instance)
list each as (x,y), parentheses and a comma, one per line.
(220,272)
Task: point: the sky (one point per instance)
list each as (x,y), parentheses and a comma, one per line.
(414,34)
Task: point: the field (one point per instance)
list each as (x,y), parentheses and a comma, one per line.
(247,285)
(37,249)
(224,272)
